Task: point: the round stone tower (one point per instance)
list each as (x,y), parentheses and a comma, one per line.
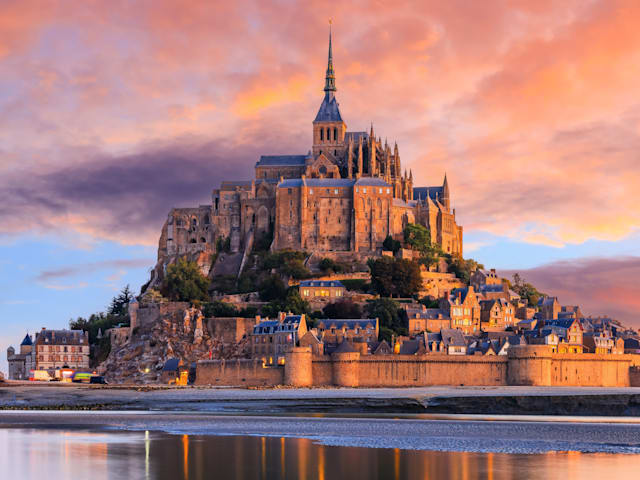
(345,364)
(529,365)
(297,367)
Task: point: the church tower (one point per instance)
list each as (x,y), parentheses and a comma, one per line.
(328,128)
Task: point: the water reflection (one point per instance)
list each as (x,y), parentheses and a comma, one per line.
(37,454)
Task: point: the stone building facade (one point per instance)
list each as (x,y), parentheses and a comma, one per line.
(20,364)
(56,349)
(346,194)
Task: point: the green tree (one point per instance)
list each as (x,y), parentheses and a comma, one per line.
(463,268)
(272,288)
(389,315)
(120,303)
(184,282)
(342,309)
(417,237)
(526,290)
(391,244)
(395,276)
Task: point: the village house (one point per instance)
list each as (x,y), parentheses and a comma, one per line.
(464,310)
(271,339)
(332,332)
(485,277)
(323,289)
(21,364)
(56,349)
(572,341)
(496,315)
(549,308)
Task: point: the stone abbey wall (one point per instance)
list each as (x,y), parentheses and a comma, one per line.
(533,365)
(239,373)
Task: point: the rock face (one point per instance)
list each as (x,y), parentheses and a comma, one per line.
(175,333)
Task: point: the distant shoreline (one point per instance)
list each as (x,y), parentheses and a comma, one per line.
(582,401)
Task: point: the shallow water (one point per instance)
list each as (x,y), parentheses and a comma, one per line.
(83,454)
(114,445)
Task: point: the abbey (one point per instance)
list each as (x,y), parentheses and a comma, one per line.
(347,194)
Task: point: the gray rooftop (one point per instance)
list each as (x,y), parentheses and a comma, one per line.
(329,111)
(281,160)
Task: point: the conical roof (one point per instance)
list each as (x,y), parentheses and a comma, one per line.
(27,340)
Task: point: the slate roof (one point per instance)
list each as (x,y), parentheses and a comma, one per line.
(59,337)
(356,136)
(281,160)
(453,337)
(350,324)
(345,347)
(316,182)
(321,283)
(289,324)
(410,347)
(329,111)
(171,365)
(432,313)
(27,340)
(490,288)
(563,322)
(371,181)
(420,193)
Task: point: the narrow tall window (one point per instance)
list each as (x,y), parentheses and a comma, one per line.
(328,134)
(335,134)
(321,134)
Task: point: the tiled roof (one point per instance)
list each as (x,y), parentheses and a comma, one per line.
(316,182)
(321,283)
(453,337)
(420,193)
(348,323)
(59,337)
(281,160)
(329,111)
(371,182)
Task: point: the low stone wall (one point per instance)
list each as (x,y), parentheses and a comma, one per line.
(150,314)
(424,370)
(321,369)
(240,373)
(230,329)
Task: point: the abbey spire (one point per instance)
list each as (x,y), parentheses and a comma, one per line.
(330,78)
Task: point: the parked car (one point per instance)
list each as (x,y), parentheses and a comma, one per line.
(99,379)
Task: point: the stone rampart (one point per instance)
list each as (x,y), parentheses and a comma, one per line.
(532,365)
(240,373)
(423,370)
(150,314)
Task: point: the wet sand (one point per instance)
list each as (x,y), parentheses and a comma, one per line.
(468,400)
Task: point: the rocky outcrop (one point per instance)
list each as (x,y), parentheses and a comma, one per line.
(174,333)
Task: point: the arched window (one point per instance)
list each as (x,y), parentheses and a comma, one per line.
(207,220)
(335,134)
(193,240)
(203,240)
(194,222)
(321,134)
(323,170)
(328,134)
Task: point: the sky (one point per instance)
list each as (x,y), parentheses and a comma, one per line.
(113,112)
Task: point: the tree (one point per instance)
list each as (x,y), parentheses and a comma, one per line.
(395,276)
(388,313)
(184,282)
(342,309)
(463,268)
(391,244)
(526,290)
(417,237)
(272,288)
(120,303)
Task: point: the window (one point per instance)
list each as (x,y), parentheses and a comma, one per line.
(364,190)
(321,135)
(311,191)
(356,189)
(328,134)
(388,190)
(380,191)
(335,191)
(335,134)
(289,191)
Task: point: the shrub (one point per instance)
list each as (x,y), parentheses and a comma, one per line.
(342,309)
(395,276)
(185,282)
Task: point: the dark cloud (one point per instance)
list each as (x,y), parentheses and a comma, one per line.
(126,198)
(84,269)
(601,286)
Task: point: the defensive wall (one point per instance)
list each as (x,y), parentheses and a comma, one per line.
(532,365)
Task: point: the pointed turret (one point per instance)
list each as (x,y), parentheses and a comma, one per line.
(330,78)
(445,193)
(328,127)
